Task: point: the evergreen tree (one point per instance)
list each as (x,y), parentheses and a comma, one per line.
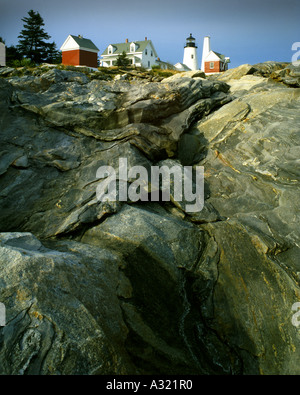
(12,55)
(32,39)
(122,60)
(53,55)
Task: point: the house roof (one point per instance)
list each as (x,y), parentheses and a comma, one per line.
(182,67)
(84,42)
(119,48)
(219,55)
(163,62)
(81,42)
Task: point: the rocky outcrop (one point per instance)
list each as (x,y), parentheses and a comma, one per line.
(290,75)
(286,73)
(143,287)
(73,126)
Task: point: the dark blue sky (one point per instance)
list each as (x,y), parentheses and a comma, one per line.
(246,31)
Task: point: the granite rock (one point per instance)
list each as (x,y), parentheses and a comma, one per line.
(144,287)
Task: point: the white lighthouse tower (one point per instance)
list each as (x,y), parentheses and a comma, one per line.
(190,58)
(205,51)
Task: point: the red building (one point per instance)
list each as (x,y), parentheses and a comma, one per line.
(79,51)
(212,61)
(215,63)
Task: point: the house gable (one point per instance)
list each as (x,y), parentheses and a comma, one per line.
(69,44)
(150,47)
(213,57)
(150,50)
(78,42)
(133,47)
(111,49)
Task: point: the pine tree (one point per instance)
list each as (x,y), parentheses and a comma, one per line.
(53,55)
(32,39)
(122,60)
(12,55)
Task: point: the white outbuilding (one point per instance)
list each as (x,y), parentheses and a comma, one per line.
(181,67)
(2,54)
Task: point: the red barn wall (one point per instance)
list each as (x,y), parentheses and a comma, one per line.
(71,57)
(79,57)
(88,58)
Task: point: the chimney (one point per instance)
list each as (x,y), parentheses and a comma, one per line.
(206,50)
(146,39)
(79,36)
(126,41)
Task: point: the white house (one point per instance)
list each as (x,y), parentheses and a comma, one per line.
(2,54)
(140,53)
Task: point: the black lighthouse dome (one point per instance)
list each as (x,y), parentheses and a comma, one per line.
(190,41)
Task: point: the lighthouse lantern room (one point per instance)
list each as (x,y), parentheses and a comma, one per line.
(190,53)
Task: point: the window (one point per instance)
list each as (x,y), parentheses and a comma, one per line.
(148,63)
(151,53)
(132,47)
(192,56)
(212,65)
(111,49)
(146,52)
